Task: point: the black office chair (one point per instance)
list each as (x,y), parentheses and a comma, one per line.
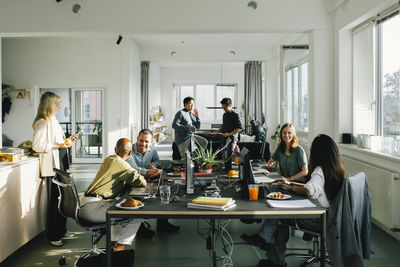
(310,255)
(69,206)
(175,152)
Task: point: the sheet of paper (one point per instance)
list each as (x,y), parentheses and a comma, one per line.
(262,178)
(301,203)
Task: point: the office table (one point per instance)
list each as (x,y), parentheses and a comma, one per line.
(244,209)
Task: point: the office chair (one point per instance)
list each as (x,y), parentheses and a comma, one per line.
(69,206)
(311,255)
(354,194)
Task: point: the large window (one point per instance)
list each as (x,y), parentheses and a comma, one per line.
(207,96)
(376,82)
(296,86)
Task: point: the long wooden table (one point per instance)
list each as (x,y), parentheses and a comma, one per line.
(244,209)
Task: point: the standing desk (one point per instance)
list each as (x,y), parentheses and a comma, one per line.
(244,209)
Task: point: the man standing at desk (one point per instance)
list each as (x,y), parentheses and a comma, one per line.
(145,159)
(185,124)
(230,129)
(113,177)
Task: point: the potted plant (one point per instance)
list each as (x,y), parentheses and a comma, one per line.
(206,158)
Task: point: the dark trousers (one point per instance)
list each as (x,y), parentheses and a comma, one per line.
(56,223)
(228,153)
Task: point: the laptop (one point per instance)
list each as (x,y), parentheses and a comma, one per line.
(149,190)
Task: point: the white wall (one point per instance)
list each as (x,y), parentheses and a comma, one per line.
(68,63)
(134,91)
(198,73)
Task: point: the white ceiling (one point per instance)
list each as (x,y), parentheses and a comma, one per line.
(160,26)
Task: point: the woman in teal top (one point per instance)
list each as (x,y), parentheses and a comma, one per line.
(290,156)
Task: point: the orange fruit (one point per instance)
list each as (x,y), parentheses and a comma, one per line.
(68,142)
(232,173)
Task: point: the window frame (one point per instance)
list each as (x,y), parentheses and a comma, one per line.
(298,64)
(216,103)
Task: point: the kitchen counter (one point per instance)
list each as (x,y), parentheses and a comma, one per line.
(23,200)
(27,159)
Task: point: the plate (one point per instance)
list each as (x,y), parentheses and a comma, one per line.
(286,196)
(232,177)
(118,205)
(174,174)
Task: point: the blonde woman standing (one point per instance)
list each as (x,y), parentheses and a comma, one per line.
(48,141)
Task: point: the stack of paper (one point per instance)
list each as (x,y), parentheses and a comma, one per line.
(212,203)
(302,203)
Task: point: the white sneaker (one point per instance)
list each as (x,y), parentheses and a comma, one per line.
(69,234)
(57,243)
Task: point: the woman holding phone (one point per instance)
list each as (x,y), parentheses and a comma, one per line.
(48,142)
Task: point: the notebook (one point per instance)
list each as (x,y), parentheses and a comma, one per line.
(149,190)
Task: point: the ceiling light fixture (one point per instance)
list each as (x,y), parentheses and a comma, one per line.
(76,8)
(232,52)
(119,39)
(252,5)
(173,53)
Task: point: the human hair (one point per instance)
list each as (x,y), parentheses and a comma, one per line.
(226,101)
(46,106)
(146,132)
(293,144)
(123,147)
(187,100)
(325,153)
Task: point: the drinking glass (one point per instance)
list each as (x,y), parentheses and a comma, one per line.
(165,194)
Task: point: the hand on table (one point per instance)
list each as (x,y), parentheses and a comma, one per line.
(150,167)
(153,172)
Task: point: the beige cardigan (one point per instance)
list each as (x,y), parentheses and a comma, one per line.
(44,137)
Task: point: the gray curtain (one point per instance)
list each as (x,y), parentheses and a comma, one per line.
(252,91)
(144,90)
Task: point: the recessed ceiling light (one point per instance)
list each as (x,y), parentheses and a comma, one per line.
(232,52)
(252,5)
(173,53)
(76,8)
(183,42)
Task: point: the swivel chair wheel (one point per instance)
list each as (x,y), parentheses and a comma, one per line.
(62,260)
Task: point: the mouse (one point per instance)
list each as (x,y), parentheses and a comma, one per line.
(175,198)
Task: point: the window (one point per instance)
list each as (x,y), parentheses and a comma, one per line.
(376,82)
(389,44)
(296,85)
(207,95)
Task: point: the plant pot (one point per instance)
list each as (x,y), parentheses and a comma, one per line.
(205,168)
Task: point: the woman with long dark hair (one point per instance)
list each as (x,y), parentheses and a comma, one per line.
(327,174)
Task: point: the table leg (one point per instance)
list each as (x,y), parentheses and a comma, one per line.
(323,238)
(213,251)
(108,240)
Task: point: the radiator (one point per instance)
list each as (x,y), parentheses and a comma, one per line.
(385,194)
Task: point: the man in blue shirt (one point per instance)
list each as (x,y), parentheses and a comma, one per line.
(145,160)
(185,124)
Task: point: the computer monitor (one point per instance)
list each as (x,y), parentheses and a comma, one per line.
(256,148)
(189,167)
